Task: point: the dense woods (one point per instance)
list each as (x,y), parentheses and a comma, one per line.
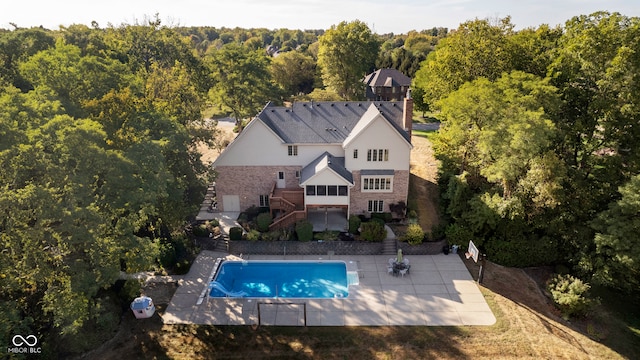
(99,127)
(538,137)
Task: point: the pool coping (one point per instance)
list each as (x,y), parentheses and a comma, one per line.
(438,292)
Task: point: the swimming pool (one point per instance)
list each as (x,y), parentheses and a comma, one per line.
(281,279)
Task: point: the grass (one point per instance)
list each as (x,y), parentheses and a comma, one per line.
(427,134)
(428,117)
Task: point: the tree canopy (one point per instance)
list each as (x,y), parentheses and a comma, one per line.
(241,81)
(100,169)
(347,52)
(536,141)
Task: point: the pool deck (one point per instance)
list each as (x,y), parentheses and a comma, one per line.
(439,291)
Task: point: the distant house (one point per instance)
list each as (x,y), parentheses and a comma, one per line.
(319,157)
(386,85)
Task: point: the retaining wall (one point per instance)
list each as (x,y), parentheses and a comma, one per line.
(322,248)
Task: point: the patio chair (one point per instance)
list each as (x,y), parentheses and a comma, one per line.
(403,272)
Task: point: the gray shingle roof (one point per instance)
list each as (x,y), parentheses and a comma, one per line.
(325,122)
(325,161)
(388,78)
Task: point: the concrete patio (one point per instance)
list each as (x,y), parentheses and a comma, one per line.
(438,292)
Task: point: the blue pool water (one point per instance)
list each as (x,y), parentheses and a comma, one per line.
(281,279)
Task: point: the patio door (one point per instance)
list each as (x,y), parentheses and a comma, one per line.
(280,181)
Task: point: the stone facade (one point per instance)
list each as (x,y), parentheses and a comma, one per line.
(360,200)
(249,182)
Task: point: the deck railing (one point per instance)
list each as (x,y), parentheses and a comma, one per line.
(288,219)
(291,205)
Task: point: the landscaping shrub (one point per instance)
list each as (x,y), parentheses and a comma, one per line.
(263,221)
(378,220)
(570,294)
(130,290)
(235,233)
(457,234)
(167,256)
(253,235)
(398,208)
(272,235)
(519,252)
(373,231)
(354,224)
(414,234)
(304,230)
(385,216)
(200,230)
(412,214)
(327,235)
(438,232)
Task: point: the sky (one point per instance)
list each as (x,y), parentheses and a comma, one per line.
(382,16)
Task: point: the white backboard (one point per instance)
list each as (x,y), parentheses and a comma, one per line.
(473,251)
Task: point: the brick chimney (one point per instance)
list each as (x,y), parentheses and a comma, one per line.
(407,113)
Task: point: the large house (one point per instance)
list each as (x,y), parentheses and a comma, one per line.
(386,85)
(317,157)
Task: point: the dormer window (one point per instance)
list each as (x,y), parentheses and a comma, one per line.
(292,150)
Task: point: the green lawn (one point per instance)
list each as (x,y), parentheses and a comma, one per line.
(428,134)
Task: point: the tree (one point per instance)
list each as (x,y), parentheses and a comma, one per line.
(501,176)
(347,52)
(294,72)
(100,168)
(617,260)
(497,128)
(17,46)
(596,72)
(418,100)
(241,81)
(477,49)
(73,77)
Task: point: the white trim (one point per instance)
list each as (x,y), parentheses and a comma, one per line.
(370,181)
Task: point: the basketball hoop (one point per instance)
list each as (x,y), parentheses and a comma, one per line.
(472,252)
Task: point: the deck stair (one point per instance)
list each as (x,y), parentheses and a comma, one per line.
(283,201)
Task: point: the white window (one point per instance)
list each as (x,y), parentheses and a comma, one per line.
(377,184)
(376,206)
(355,153)
(378,155)
(292,150)
(297,174)
(264,200)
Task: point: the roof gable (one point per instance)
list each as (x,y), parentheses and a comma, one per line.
(387,78)
(326,162)
(246,132)
(374,114)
